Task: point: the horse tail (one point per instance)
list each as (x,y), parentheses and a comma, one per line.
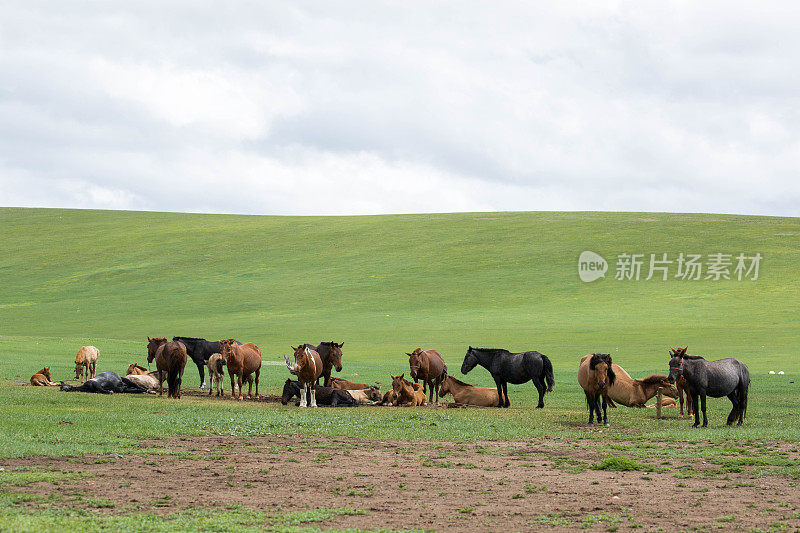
(549,379)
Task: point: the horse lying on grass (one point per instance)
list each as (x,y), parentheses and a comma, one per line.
(327,396)
(150,381)
(636,392)
(136,370)
(466,394)
(105,383)
(343,384)
(42,378)
(407,396)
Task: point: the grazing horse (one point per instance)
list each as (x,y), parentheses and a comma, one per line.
(105,383)
(216,370)
(429,367)
(680,384)
(343,384)
(325,395)
(635,392)
(170,360)
(86,362)
(331,355)
(469,394)
(200,350)
(596,375)
(308,368)
(136,370)
(42,378)
(407,396)
(516,368)
(243,361)
(725,377)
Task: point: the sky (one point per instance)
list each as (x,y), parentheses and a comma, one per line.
(308,108)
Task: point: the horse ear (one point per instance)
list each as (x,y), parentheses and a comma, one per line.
(408,354)
(293,348)
(149,339)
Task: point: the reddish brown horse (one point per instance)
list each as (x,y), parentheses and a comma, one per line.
(243,361)
(680,384)
(308,368)
(170,360)
(42,378)
(136,370)
(428,366)
(405,393)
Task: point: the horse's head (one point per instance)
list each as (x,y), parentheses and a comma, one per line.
(603,373)
(152,346)
(373,393)
(470,360)
(652,383)
(226,348)
(676,363)
(445,386)
(46,373)
(414,362)
(290,390)
(398,382)
(79,370)
(336,355)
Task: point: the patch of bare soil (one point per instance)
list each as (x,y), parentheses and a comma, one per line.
(440,486)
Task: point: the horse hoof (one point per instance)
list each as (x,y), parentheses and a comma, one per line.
(590,424)
(606,424)
(540,406)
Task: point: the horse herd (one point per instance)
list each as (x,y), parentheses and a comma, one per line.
(604,382)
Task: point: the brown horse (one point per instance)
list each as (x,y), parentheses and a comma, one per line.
(86,362)
(635,392)
(170,360)
(680,384)
(42,378)
(407,396)
(665,402)
(428,365)
(136,370)
(331,354)
(596,376)
(469,394)
(308,368)
(243,361)
(343,384)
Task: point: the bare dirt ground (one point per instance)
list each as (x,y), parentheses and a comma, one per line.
(425,485)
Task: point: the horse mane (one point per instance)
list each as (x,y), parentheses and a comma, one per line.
(653,379)
(459,382)
(493,351)
(693,357)
(187,338)
(599,358)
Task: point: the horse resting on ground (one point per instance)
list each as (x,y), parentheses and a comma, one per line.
(170,360)
(466,394)
(42,378)
(343,384)
(506,367)
(428,366)
(105,383)
(725,377)
(407,396)
(635,392)
(244,362)
(308,368)
(150,381)
(596,376)
(325,395)
(136,370)
(86,362)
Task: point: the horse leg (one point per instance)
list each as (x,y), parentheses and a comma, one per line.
(313,394)
(733,397)
(703,406)
(541,388)
(507,402)
(233,385)
(239,380)
(211,378)
(258,374)
(499,393)
(304,395)
(605,413)
(590,400)
(201,368)
(680,397)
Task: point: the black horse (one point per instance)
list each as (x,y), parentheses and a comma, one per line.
(105,383)
(199,350)
(325,395)
(331,355)
(516,368)
(726,377)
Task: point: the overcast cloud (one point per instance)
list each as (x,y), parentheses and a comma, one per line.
(353,108)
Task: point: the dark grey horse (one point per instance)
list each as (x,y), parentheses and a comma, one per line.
(105,383)
(726,377)
(325,395)
(506,367)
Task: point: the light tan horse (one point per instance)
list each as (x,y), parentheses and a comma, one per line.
(636,392)
(469,394)
(42,378)
(216,369)
(149,381)
(407,396)
(244,362)
(136,370)
(308,368)
(596,376)
(86,362)
(665,402)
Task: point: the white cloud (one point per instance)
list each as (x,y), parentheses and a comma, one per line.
(391,107)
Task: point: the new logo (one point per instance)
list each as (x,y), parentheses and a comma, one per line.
(591,266)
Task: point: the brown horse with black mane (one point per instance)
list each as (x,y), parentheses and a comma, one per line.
(308,368)
(428,366)
(170,360)
(243,361)
(596,376)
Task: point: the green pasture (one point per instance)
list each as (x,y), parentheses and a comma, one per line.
(383,285)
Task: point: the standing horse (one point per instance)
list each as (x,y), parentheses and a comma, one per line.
(170,360)
(308,368)
(200,350)
(242,360)
(331,355)
(216,370)
(680,384)
(86,362)
(428,366)
(516,368)
(725,377)
(635,392)
(596,375)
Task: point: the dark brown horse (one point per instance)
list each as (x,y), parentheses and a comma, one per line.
(680,384)
(428,366)
(596,376)
(308,368)
(170,360)
(243,361)
(331,355)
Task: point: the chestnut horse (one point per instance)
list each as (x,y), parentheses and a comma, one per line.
(243,361)
(343,384)
(42,378)
(407,396)
(308,368)
(86,362)
(170,360)
(428,366)
(635,392)
(469,394)
(596,376)
(680,384)
(136,370)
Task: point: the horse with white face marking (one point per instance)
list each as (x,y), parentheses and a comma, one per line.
(308,368)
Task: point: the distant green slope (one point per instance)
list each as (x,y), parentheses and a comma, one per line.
(385,283)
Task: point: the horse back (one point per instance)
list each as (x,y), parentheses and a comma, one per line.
(435,363)
(250,357)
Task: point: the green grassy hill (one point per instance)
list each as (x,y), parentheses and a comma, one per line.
(387,284)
